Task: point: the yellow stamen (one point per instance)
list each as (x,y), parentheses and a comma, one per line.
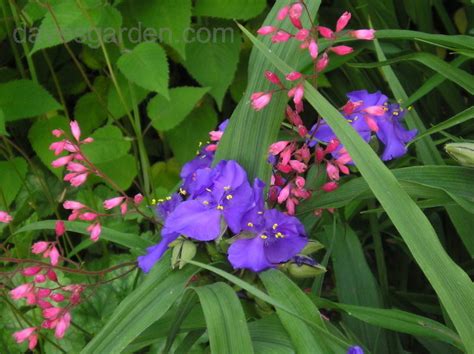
(182,191)
(229,197)
(279,235)
(263,237)
(205,202)
(168,198)
(200,144)
(161,200)
(274,226)
(226,188)
(395,113)
(220,207)
(250,224)
(153,201)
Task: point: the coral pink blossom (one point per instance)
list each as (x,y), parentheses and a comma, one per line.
(296,10)
(27,334)
(260,100)
(78,180)
(62,161)
(53,255)
(39,247)
(124,208)
(322,62)
(342,50)
(30,271)
(60,228)
(88,216)
(57,297)
(365,34)
(113,202)
(294,76)
(216,135)
(343,21)
(313,49)
(76,167)
(57,147)
(138,198)
(266,30)
(95,231)
(326,32)
(329,186)
(332,171)
(21,291)
(63,325)
(75,130)
(298,166)
(284,193)
(302,34)
(57,133)
(372,124)
(283,13)
(51,313)
(375,110)
(40,278)
(51,274)
(72,205)
(5,217)
(278,147)
(272,77)
(281,36)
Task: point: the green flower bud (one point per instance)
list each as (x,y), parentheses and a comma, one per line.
(305,270)
(463,153)
(312,247)
(182,252)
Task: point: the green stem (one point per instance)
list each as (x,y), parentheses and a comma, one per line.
(16,54)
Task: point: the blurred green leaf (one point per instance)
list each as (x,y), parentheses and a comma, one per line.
(122,170)
(89,112)
(146,65)
(121,104)
(3,130)
(109,144)
(12,174)
(230,9)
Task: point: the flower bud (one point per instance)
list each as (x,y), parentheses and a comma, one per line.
(463,153)
(183,252)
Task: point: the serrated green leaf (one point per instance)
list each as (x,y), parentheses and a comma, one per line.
(41,138)
(12,174)
(170,20)
(25,99)
(194,130)
(122,171)
(146,66)
(213,62)
(109,144)
(230,9)
(225,319)
(89,112)
(167,114)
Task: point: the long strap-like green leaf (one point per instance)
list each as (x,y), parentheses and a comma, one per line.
(450,282)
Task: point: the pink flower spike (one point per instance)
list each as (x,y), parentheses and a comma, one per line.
(313,49)
(266,30)
(30,271)
(113,202)
(73,205)
(280,37)
(51,313)
(95,231)
(62,161)
(302,34)
(293,76)
(364,34)
(295,12)
(24,334)
(79,180)
(43,292)
(302,131)
(88,216)
(322,62)
(278,147)
(57,133)
(57,147)
(298,166)
(75,130)
(76,167)
(342,50)
(260,100)
(63,325)
(54,256)
(44,304)
(371,123)
(40,278)
(39,247)
(326,32)
(138,199)
(283,13)
(5,217)
(329,186)
(272,77)
(21,291)
(60,228)
(375,110)
(343,21)
(123,208)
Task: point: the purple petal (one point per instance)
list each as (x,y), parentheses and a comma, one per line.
(368,99)
(154,253)
(248,254)
(235,208)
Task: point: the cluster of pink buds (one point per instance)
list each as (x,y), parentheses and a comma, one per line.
(5,217)
(309,38)
(76,164)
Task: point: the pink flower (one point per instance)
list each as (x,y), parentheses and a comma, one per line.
(75,130)
(329,186)
(60,228)
(78,180)
(40,278)
(43,292)
(216,135)
(27,333)
(62,326)
(332,146)
(73,205)
(313,49)
(297,93)
(298,166)
(365,34)
(284,193)
(332,171)
(293,76)
(124,207)
(281,36)
(5,217)
(51,313)
(57,297)
(342,50)
(39,247)
(302,34)
(266,30)
(282,13)
(372,124)
(76,167)
(375,110)
(30,271)
(62,161)
(95,231)
(88,216)
(272,77)
(300,182)
(326,32)
(21,291)
(57,147)
(51,274)
(343,21)
(296,10)
(138,199)
(53,256)
(57,133)
(260,100)
(278,147)
(113,202)
(322,62)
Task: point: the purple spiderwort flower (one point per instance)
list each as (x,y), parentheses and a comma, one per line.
(154,253)
(355,350)
(279,238)
(387,126)
(223,195)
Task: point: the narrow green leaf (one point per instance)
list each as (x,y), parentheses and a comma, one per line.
(166,114)
(12,174)
(25,99)
(3,130)
(225,319)
(146,66)
(127,240)
(450,282)
(145,305)
(230,9)
(269,336)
